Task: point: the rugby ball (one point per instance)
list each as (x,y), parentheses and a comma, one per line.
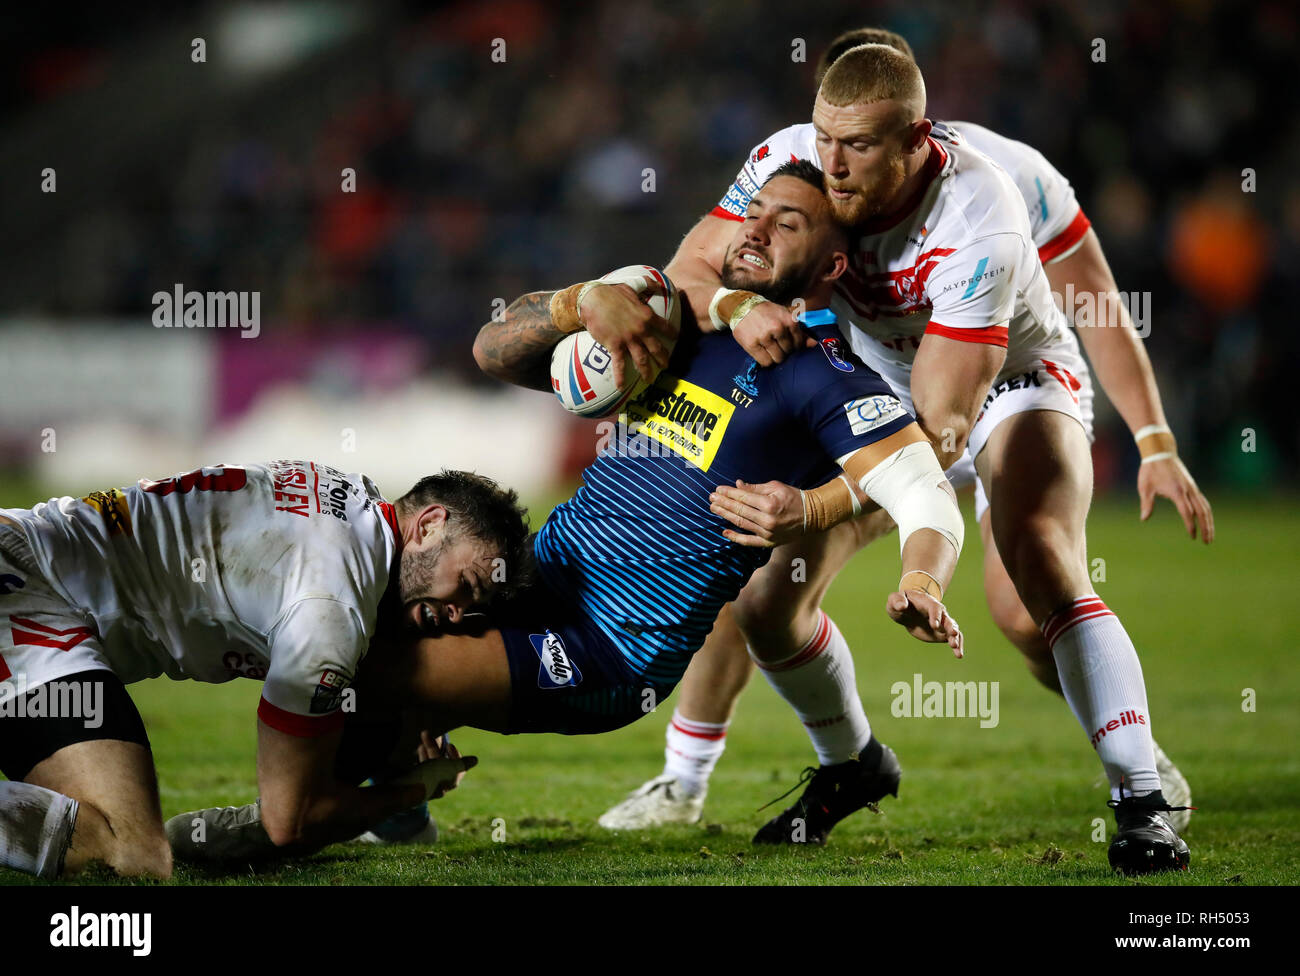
(582,370)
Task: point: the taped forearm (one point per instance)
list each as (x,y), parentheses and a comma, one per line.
(829,505)
(912,488)
(566,306)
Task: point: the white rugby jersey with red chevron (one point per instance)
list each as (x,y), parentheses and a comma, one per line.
(962,261)
(266,571)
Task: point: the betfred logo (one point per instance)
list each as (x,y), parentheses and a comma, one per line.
(1126,717)
(556,670)
(835,353)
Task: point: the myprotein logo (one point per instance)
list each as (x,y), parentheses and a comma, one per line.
(1126,717)
(181,309)
(556,670)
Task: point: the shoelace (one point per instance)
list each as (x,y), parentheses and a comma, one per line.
(1113,804)
(806,776)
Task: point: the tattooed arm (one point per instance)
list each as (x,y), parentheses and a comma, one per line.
(517,349)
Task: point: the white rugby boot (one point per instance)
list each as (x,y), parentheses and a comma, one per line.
(1174,786)
(660,801)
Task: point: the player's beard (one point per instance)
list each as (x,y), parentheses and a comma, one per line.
(871,200)
(783,288)
(417,570)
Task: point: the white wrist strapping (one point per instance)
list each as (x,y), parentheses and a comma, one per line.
(582,293)
(1150,429)
(718,324)
(912,488)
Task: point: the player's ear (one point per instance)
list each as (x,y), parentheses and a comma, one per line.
(836,266)
(429,520)
(915,136)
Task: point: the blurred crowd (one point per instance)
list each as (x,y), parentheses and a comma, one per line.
(486,169)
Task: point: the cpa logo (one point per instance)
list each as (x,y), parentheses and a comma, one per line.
(597,358)
(872,408)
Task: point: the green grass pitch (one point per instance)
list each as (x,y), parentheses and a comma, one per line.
(1013,804)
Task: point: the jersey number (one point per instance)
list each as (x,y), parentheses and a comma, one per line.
(204,479)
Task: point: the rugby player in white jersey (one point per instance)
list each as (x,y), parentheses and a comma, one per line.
(924,205)
(279,572)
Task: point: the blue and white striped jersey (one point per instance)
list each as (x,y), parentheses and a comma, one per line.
(637,549)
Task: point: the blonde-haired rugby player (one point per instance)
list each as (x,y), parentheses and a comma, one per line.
(947,299)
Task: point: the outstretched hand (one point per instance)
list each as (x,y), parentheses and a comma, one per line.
(1169,478)
(926,619)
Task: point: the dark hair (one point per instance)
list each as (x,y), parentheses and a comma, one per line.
(487,512)
(859,36)
(801,169)
(806,170)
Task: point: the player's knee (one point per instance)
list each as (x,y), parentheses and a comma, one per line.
(129,849)
(142,851)
(151,856)
(769,622)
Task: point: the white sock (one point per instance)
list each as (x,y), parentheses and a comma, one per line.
(35,828)
(818,682)
(692,750)
(1102,680)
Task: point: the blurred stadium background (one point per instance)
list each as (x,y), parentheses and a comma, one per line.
(479,178)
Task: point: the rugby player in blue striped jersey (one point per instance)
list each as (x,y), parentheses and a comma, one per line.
(633,570)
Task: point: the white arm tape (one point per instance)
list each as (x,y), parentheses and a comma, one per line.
(912,488)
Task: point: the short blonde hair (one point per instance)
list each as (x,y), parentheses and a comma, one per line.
(873,73)
(856,38)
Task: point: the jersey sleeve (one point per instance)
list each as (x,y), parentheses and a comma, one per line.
(1059,222)
(973,292)
(843,403)
(316,647)
(764,160)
